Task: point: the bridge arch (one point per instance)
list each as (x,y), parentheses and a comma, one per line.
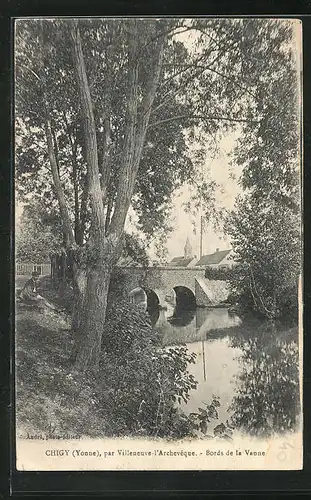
(139,297)
(148,300)
(153,305)
(153,301)
(185,297)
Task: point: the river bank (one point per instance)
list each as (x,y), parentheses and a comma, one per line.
(252,370)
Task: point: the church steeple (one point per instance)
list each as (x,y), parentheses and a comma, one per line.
(188,249)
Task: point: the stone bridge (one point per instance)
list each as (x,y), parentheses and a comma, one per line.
(168,284)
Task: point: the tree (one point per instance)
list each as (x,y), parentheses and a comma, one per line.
(117,105)
(39,234)
(265,225)
(266,241)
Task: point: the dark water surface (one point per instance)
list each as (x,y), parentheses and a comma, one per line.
(252,368)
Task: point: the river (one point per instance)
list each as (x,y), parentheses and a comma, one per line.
(252,369)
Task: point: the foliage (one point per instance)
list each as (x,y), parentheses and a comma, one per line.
(165,161)
(197,86)
(266,240)
(39,234)
(265,224)
(143,382)
(50,401)
(133,253)
(217,274)
(268,150)
(134,250)
(110,112)
(202,419)
(267,394)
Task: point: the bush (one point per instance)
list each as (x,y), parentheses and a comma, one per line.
(272,359)
(251,294)
(289,306)
(265,234)
(219,274)
(142,382)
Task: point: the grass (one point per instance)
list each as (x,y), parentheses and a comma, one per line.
(48,400)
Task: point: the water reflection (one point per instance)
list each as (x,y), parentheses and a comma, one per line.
(266,398)
(181,317)
(154,314)
(179,326)
(253,368)
(215,370)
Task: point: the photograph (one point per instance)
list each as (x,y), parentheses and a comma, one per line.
(158,243)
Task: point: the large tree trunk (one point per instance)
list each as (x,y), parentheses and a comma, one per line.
(79,287)
(92,303)
(91,323)
(107,235)
(88,341)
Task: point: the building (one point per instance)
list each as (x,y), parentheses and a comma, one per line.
(188,259)
(26,268)
(220,259)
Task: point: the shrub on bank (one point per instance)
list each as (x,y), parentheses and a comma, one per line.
(142,383)
(252,295)
(219,274)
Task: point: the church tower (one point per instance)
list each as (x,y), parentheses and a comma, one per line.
(188,249)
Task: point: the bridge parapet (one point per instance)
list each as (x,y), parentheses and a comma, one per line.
(162,280)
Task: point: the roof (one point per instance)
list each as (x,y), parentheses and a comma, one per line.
(181,261)
(213,258)
(176,259)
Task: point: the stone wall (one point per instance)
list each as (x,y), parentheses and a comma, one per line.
(211,292)
(202,296)
(162,280)
(220,290)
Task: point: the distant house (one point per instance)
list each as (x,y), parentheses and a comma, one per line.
(26,268)
(187,260)
(220,259)
(183,262)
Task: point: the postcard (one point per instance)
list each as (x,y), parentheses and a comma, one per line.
(158,248)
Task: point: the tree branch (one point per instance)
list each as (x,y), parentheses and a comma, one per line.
(31,71)
(242,87)
(57,183)
(105,166)
(168,32)
(173,93)
(259,296)
(55,149)
(67,227)
(123,187)
(137,136)
(73,146)
(200,117)
(89,130)
(106,159)
(83,209)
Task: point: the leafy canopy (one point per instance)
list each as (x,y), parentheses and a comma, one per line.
(212,78)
